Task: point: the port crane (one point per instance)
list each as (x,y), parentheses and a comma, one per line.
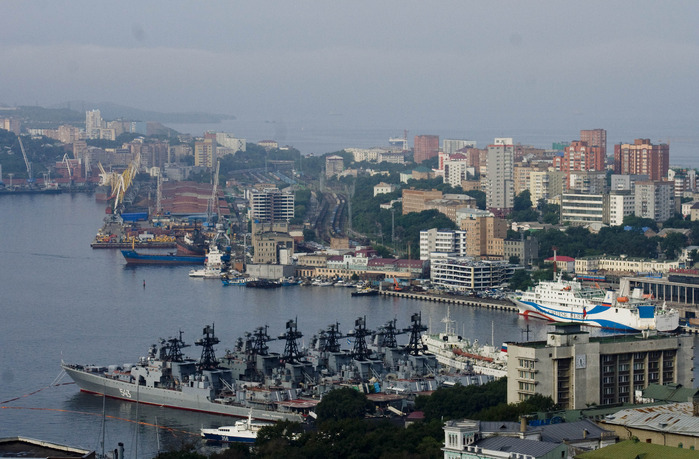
(30,179)
(212,208)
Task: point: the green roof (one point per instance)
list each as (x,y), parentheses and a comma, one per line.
(637,449)
(669,393)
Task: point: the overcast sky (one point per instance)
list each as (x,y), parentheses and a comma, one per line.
(487,64)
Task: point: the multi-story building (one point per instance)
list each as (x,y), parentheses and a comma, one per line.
(442,243)
(11,124)
(617,205)
(334,165)
(205,151)
(465,274)
(425,147)
(655,199)
(685,181)
(499,193)
(484,236)
(451,146)
(271,205)
(526,249)
(582,209)
(580,156)
(415,200)
(595,138)
(626,181)
(229,141)
(539,186)
(621,265)
(456,171)
(93,124)
(587,182)
(642,158)
(577,370)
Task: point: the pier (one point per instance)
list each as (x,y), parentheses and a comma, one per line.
(488,303)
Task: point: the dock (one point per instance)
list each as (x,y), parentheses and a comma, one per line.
(489,303)
(128,245)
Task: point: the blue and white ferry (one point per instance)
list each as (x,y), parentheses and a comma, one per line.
(244,431)
(569,301)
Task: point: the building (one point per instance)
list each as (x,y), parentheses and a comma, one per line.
(415,200)
(272,248)
(425,147)
(654,199)
(334,165)
(451,146)
(205,151)
(582,209)
(384,188)
(577,370)
(464,274)
(500,189)
(31,448)
(617,205)
(271,205)
(526,249)
(587,182)
(11,124)
(456,170)
(595,138)
(623,265)
(680,287)
(626,182)
(642,158)
(442,243)
(230,142)
(93,124)
(485,236)
(579,156)
(268,144)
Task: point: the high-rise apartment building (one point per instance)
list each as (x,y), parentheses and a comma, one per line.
(595,138)
(642,158)
(205,151)
(484,236)
(500,184)
(271,205)
(654,199)
(451,146)
(425,147)
(93,124)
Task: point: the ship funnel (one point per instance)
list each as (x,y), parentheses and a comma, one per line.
(609,298)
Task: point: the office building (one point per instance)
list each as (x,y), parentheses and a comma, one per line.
(642,158)
(415,200)
(334,165)
(464,274)
(271,205)
(425,147)
(577,370)
(582,209)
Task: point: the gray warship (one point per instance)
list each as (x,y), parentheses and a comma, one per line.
(250,380)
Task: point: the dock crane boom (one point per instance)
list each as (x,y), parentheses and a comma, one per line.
(26,161)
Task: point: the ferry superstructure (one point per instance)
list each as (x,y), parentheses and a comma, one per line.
(569,301)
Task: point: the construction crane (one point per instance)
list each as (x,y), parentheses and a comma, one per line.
(66,161)
(30,179)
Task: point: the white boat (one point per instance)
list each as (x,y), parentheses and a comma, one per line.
(213,265)
(454,351)
(244,431)
(569,301)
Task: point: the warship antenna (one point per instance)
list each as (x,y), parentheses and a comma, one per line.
(360,350)
(291,349)
(332,338)
(207,342)
(415,329)
(260,338)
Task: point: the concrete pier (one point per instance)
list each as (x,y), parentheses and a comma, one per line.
(488,303)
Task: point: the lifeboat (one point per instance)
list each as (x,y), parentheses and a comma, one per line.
(622,299)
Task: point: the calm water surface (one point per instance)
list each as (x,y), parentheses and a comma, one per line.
(60,299)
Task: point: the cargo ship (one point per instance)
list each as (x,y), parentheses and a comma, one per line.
(569,301)
(133,257)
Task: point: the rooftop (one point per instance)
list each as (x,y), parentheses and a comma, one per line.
(629,448)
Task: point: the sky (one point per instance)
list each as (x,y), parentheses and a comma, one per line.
(563,66)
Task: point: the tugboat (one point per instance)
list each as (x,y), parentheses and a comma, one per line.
(244,431)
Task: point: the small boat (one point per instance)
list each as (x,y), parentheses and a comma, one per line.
(365,292)
(214,265)
(240,281)
(262,283)
(244,431)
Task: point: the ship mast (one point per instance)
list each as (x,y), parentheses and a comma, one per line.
(291,349)
(415,346)
(207,342)
(360,350)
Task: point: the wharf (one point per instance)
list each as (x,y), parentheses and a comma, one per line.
(489,303)
(128,245)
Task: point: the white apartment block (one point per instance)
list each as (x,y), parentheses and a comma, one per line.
(93,124)
(591,182)
(623,264)
(366,154)
(582,209)
(538,186)
(229,141)
(271,205)
(456,171)
(626,181)
(444,242)
(655,199)
(500,188)
(618,204)
(450,146)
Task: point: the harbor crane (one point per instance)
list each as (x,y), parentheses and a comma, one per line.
(212,208)
(30,179)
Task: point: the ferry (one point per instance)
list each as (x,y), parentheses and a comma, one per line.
(244,431)
(569,301)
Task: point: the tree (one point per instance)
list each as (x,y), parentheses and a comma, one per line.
(521,280)
(523,201)
(672,244)
(514,260)
(342,403)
